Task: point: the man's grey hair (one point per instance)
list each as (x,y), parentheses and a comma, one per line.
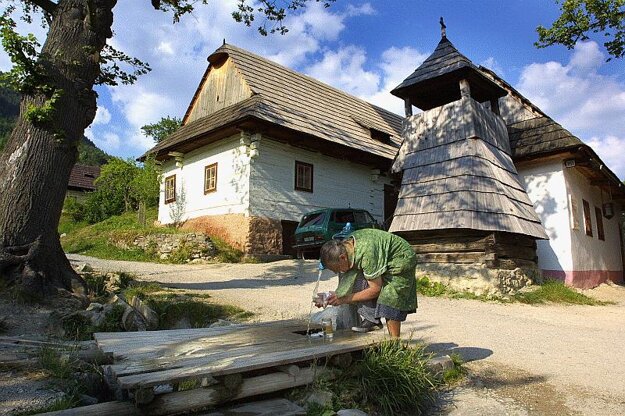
(331,251)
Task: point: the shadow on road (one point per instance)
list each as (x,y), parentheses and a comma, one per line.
(466,353)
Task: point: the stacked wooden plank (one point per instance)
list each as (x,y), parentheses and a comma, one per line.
(495,250)
(219,364)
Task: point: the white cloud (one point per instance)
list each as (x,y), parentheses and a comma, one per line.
(396,65)
(611,150)
(102,115)
(492,64)
(166,48)
(363,9)
(589,104)
(142,106)
(344,69)
(109,142)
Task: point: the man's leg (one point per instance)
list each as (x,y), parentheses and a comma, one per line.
(394,328)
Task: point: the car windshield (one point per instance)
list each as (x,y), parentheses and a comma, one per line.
(362,217)
(313,219)
(344,216)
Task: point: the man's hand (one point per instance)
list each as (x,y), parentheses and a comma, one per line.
(335,301)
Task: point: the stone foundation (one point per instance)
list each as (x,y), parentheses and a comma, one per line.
(251,235)
(479,279)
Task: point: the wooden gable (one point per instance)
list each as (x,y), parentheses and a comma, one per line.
(223,85)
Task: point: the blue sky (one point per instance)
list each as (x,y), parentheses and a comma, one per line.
(366,49)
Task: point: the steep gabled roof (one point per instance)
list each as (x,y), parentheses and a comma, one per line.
(297,102)
(435,81)
(82,177)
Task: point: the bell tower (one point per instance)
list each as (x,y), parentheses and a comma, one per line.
(461,200)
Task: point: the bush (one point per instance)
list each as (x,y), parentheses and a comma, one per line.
(395,378)
(74,209)
(122,186)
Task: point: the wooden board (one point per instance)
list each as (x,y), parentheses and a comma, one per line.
(147,359)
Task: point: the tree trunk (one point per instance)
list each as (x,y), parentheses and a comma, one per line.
(37,161)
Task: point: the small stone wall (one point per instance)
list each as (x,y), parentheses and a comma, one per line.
(197,246)
(479,279)
(251,235)
(232,228)
(265,236)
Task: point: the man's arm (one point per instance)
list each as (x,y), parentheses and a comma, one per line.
(372,292)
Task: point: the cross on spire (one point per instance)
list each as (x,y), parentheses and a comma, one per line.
(443,28)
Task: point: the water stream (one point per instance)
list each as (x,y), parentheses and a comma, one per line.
(312,303)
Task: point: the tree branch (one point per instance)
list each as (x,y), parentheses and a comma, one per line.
(47,6)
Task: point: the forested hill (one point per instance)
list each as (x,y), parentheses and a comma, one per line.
(88,153)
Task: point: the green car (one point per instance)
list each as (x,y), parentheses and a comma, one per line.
(320,226)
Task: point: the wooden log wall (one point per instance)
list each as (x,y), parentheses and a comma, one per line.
(495,250)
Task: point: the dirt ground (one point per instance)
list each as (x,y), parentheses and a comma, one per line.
(523,360)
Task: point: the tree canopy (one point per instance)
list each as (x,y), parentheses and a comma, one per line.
(580,19)
(162,128)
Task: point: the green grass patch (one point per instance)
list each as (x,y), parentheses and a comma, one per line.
(457,373)
(395,378)
(197,313)
(142,289)
(555,292)
(391,378)
(112,239)
(550,291)
(80,328)
(174,306)
(225,252)
(56,364)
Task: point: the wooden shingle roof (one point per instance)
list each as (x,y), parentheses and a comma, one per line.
(300,103)
(538,136)
(82,177)
(435,81)
(458,173)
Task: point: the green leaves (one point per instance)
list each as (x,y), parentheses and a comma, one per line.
(111,71)
(23,52)
(274,15)
(580,18)
(162,128)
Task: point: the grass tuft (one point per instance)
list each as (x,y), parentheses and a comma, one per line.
(556,292)
(457,373)
(395,378)
(55,364)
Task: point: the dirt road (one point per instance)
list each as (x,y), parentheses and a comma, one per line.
(524,360)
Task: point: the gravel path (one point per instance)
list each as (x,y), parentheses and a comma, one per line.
(524,360)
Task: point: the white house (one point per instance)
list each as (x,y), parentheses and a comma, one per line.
(260,145)
(577,197)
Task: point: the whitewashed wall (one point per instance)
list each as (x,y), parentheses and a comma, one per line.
(232,195)
(336,183)
(546,188)
(590,253)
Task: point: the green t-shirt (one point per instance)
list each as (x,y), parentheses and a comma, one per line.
(379,253)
